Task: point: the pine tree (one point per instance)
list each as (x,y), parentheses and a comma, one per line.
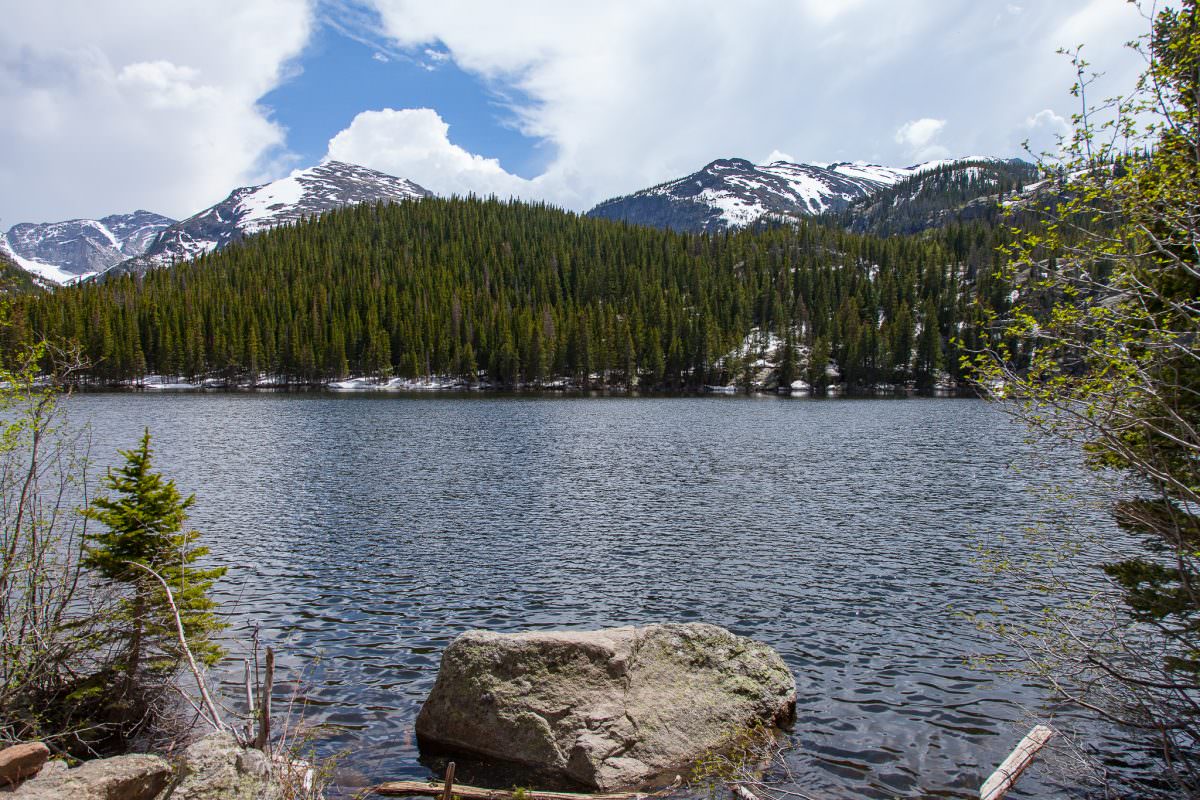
(787,362)
(818,360)
(143,524)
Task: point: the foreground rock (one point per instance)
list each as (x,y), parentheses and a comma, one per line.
(133,777)
(213,768)
(217,768)
(22,761)
(606,709)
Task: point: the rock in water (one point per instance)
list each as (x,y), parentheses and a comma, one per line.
(606,709)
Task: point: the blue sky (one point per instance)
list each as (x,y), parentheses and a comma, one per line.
(114,105)
(340,74)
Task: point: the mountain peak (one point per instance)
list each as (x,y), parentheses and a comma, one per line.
(728,163)
(733,192)
(252,209)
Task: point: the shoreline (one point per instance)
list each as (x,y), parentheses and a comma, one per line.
(450,389)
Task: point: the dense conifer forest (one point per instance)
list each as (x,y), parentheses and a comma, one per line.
(515,293)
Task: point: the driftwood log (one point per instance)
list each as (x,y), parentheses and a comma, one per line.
(1003,778)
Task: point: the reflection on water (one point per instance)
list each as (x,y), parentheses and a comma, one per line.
(364,533)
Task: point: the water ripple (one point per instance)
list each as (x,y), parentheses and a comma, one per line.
(363,534)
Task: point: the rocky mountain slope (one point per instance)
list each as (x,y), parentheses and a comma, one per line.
(63,252)
(252,209)
(731,193)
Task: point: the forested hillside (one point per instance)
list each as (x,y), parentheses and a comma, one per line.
(13,278)
(956,192)
(528,294)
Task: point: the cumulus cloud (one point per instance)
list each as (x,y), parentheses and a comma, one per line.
(778,155)
(152,107)
(628,93)
(116,104)
(1047,131)
(415,143)
(919,138)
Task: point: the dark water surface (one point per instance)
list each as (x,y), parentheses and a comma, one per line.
(364,533)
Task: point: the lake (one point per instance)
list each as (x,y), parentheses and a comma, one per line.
(364,532)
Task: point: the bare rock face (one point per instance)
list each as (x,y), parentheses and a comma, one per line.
(135,777)
(22,761)
(606,709)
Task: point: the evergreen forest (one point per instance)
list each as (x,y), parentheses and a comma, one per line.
(510,293)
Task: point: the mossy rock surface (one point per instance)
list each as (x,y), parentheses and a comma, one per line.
(605,709)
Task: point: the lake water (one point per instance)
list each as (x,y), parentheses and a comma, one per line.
(363,533)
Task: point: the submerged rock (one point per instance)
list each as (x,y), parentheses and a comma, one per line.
(605,709)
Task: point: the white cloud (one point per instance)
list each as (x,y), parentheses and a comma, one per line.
(778,155)
(116,104)
(162,84)
(110,107)
(919,135)
(414,143)
(627,93)
(1047,131)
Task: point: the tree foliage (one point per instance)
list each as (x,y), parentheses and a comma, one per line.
(52,623)
(1108,326)
(84,664)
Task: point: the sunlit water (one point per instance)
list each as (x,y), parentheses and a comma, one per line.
(364,533)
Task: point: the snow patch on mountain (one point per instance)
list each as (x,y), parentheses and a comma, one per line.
(259,208)
(734,210)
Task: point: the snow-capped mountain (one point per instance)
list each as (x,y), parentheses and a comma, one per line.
(252,209)
(63,252)
(730,193)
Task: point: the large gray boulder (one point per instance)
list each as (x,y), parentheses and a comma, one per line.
(218,768)
(135,777)
(606,709)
